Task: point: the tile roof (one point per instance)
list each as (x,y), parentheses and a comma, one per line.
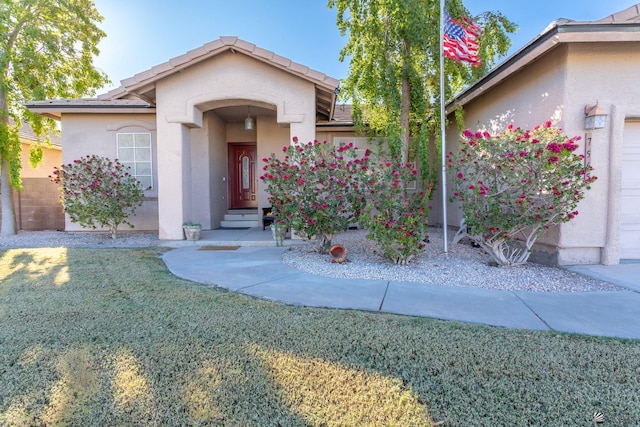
(142,83)
(27,133)
(54,108)
(138,92)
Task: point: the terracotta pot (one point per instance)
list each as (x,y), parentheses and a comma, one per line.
(339,253)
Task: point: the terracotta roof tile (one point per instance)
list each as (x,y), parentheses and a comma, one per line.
(129,86)
(211,49)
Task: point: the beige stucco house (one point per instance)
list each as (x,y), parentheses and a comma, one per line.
(181,125)
(569,66)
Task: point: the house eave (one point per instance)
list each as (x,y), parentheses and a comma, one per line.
(144,82)
(55,112)
(570,32)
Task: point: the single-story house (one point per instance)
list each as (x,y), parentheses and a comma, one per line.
(37,206)
(181,125)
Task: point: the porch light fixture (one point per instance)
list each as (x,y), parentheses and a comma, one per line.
(248,122)
(596,117)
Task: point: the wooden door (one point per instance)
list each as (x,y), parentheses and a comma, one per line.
(242,176)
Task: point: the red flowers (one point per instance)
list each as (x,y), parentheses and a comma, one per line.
(536,182)
(316,188)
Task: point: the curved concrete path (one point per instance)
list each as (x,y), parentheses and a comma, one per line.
(260,272)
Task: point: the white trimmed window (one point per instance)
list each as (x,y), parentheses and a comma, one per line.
(134,151)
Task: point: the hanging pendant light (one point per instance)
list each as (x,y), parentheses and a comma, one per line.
(248,122)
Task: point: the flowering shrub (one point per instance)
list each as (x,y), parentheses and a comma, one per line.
(316,189)
(515,185)
(396,217)
(98,192)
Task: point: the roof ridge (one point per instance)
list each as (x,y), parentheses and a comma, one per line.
(631,13)
(213,48)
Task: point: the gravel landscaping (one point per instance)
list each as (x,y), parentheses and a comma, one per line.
(54,239)
(463,266)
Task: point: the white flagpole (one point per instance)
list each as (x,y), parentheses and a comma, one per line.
(443,179)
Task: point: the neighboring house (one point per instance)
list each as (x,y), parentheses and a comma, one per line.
(569,66)
(37,206)
(181,124)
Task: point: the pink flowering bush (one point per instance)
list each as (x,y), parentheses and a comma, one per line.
(395,216)
(316,189)
(98,192)
(514,185)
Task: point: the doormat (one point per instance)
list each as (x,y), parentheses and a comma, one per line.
(218,248)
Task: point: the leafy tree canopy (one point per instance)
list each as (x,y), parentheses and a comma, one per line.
(46,51)
(394,76)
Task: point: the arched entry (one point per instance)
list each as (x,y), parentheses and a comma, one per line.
(243,184)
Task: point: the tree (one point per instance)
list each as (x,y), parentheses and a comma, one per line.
(393,81)
(47,50)
(98,192)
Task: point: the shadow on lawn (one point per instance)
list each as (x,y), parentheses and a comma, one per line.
(124,341)
(34,264)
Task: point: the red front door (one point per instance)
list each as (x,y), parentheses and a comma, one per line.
(242,176)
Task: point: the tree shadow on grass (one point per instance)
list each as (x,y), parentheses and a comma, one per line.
(163,350)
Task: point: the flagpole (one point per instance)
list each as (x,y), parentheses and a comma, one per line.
(443,144)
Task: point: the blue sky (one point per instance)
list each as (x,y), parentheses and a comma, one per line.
(144,33)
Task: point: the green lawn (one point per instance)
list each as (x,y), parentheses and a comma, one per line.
(110,337)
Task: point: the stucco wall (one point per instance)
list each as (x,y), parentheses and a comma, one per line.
(52,156)
(557,87)
(607,73)
(235,79)
(200,177)
(527,99)
(227,80)
(85,134)
(271,139)
(218,163)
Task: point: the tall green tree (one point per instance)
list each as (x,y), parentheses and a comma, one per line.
(47,51)
(394,75)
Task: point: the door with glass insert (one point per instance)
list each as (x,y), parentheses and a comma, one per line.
(242,176)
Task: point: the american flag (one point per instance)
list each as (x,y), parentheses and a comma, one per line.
(461,40)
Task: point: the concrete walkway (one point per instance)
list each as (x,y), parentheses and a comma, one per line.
(260,272)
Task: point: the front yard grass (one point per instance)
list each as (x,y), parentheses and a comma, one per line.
(110,337)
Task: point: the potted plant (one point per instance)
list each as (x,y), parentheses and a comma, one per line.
(192,230)
(279,230)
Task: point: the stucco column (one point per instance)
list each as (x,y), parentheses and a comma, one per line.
(611,251)
(304,131)
(174,179)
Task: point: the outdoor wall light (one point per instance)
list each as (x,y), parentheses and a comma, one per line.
(596,117)
(248,122)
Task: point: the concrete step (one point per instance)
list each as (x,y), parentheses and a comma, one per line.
(241,217)
(238,224)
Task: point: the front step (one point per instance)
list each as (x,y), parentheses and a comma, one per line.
(246,219)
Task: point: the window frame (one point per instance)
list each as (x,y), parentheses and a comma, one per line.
(134,161)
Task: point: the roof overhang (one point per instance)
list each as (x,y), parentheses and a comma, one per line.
(142,85)
(55,108)
(558,33)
